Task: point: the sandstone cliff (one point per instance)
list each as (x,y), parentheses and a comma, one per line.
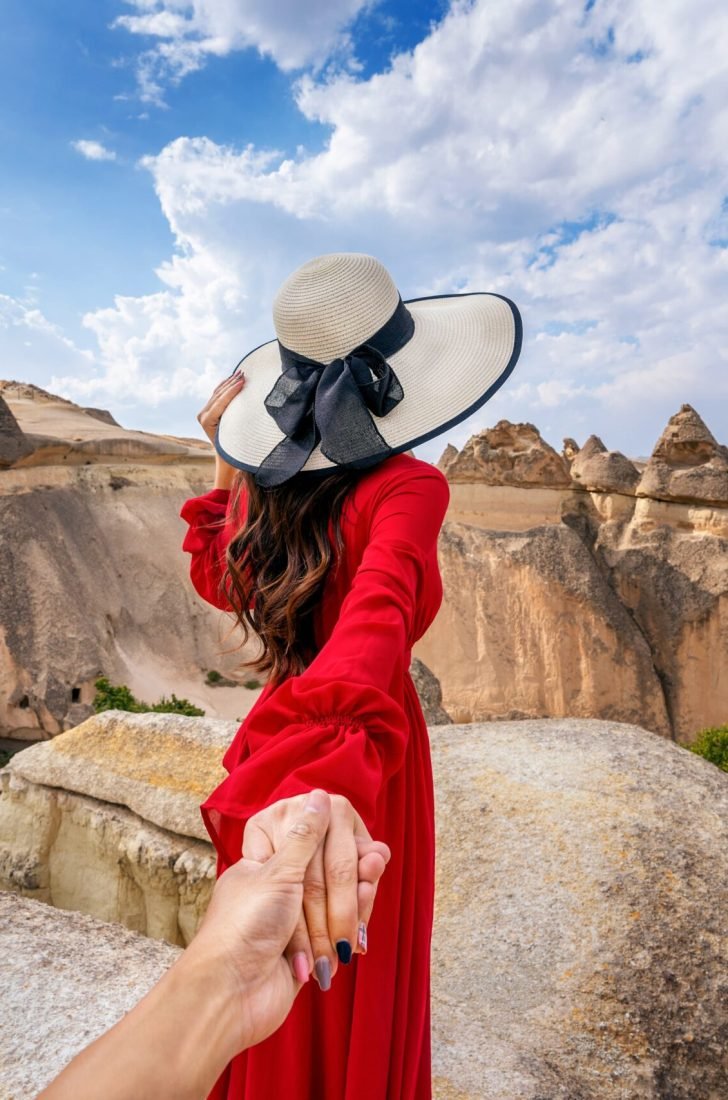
(576,584)
(585,584)
(92,578)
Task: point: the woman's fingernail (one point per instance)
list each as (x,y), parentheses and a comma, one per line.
(361,938)
(322,967)
(300,967)
(343,950)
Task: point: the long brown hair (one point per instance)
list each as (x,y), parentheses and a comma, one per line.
(277,562)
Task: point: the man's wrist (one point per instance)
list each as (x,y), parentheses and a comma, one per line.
(210,996)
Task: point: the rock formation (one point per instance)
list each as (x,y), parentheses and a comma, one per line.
(687,464)
(105,819)
(589,599)
(92,577)
(580,927)
(575,584)
(508,454)
(430,694)
(600,470)
(13,444)
(74,977)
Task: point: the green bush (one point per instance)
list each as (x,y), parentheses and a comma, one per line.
(213,676)
(713,745)
(119,697)
(252,684)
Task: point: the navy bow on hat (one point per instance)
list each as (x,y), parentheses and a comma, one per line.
(332,404)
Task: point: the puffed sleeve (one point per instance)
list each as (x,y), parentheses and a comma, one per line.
(206,541)
(341,724)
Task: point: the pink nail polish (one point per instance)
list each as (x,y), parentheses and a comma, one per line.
(300,967)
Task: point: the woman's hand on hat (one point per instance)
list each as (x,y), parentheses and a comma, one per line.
(209,416)
(339,887)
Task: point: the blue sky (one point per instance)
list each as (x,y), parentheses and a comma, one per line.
(164,164)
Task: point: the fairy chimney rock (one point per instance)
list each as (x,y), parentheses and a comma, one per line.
(687,464)
(602,471)
(509,454)
(448,455)
(570,449)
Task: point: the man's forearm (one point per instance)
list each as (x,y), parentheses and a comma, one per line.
(172,1046)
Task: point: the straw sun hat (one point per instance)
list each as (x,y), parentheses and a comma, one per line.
(356,374)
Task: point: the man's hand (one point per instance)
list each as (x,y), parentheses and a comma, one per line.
(340,883)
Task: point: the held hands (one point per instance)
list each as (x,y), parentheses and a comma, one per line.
(339,885)
(254,923)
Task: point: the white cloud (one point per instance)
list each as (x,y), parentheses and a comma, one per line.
(33,346)
(190,32)
(574,161)
(93,150)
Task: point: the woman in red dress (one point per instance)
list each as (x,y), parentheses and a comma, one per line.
(294,430)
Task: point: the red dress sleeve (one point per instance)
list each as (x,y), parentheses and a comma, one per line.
(341,724)
(207,538)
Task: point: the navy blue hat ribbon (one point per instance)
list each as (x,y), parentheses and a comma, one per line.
(332,403)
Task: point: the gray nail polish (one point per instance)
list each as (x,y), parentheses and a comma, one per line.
(322,967)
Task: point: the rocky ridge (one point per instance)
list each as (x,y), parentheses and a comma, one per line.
(585,583)
(92,578)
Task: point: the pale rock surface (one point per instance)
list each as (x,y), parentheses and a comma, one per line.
(687,464)
(600,470)
(529,626)
(508,454)
(105,819)
(67,978)
(160,766)
(13,444)
(581,927)
(93,580)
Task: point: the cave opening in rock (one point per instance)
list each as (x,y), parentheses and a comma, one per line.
(75,695)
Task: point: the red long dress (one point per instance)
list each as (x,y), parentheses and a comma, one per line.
(352,724)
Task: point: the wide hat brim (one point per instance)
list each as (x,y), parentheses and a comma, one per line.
(463,349)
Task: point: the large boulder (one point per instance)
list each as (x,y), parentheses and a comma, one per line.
(581,929)
(687,464)
(581,925)
(105,819)
(429,692)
